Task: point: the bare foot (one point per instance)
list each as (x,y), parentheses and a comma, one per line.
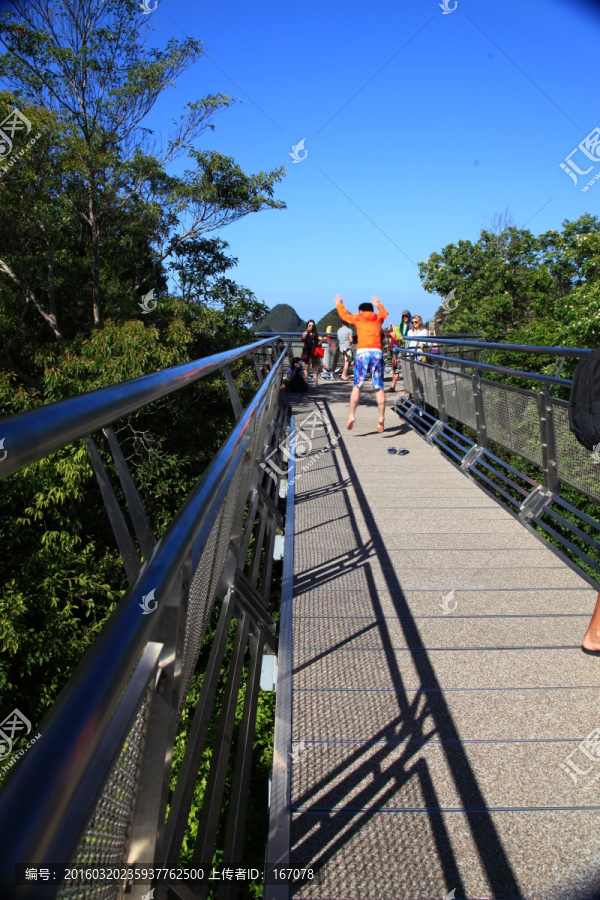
(380,427)
(589,643)
(350,424)
(344,379)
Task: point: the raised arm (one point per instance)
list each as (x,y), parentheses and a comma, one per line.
(383,313)
(343,313)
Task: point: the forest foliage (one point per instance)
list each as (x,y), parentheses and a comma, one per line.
(109,269)
(514,286)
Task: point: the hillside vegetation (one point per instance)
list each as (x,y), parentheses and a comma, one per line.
(514,286)
(280,319)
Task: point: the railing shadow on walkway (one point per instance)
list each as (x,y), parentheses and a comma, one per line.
(408,727)
(325,491)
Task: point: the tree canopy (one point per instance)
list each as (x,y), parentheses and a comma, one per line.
(511,285)
(109,269)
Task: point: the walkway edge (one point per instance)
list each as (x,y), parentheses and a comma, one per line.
(278,847)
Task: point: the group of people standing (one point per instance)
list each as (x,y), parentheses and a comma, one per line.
(399,337)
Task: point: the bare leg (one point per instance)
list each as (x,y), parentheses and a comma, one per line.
(344,375)
(381,404)
(354,398)
(306,373)
(591,641)
(316,370)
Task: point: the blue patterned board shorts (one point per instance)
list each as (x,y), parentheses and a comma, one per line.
(369,360)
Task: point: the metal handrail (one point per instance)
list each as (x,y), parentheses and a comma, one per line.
(530,423)
(57,784)
(551,379)
(517,348)
(30,436)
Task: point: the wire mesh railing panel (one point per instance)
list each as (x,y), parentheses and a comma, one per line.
(512,420)
(205,583)
(497,414)
(466,401)
(429,391)
(406,376)
(575,464)
(451,394)
(105,837)
(525,425)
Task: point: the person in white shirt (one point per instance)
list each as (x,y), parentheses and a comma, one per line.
(345,337)
(416,330)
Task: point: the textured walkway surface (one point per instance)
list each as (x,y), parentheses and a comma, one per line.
(429,733)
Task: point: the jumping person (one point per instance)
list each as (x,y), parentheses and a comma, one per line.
(369,356)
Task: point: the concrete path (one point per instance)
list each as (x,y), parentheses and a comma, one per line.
(438,684)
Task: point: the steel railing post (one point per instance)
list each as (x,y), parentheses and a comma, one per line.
(416,384)
(549,459)
(482,438)
(439,389)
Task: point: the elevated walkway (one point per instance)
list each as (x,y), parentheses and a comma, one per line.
(438,686)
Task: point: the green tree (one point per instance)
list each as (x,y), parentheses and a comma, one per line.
(498,283)
(90,220)
(514,287)
(86,66)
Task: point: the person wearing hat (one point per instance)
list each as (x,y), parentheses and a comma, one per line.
(404,327)
(401,331)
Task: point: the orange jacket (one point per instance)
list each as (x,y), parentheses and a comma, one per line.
(368,325)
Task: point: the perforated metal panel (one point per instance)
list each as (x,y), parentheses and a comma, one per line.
(466,401)
(406,376)
(451,394)
(205,583)
(512,419)
(105,838)
(575,464)
(429,391)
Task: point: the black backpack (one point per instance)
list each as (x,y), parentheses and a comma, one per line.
(584,402)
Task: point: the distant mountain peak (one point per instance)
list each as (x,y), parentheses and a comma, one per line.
(281,318)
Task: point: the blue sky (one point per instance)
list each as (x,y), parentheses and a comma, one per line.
(419,126)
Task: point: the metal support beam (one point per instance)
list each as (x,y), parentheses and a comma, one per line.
(259,373)
(131,560)
(215,784)
(236,817)
(236,403)
(186,780)
(139,519)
